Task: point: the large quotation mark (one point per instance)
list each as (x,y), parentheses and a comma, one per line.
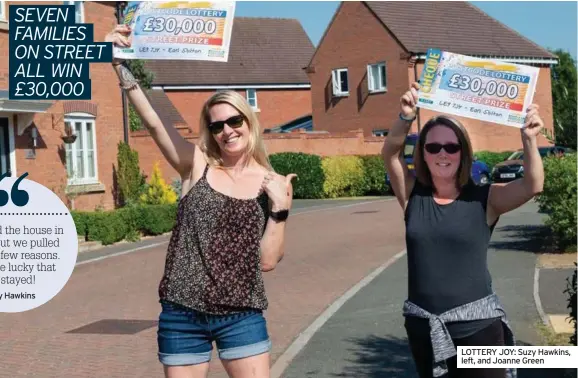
(19,197)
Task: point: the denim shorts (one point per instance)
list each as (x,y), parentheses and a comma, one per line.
(186,336)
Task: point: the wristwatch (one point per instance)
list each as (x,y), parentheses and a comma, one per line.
(280,215)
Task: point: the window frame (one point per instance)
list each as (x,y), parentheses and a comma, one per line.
(84,119)
(79,10)
(247,91)
(370,78)
(379,132)
(3,11)
(336,82)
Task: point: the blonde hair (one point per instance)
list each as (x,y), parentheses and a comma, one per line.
(256,147)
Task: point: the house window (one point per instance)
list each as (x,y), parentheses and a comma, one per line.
(380,133)
(3,11)
(252,98)
(376,80)
(78,10)
(340,82)
(81,163)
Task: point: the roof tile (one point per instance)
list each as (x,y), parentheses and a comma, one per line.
(454,26)
(262,51)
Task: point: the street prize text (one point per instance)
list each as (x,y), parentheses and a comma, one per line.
(178,30)
(484,89)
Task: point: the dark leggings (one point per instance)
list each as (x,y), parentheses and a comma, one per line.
(420,345)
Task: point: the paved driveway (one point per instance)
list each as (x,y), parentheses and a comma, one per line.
(366,337)
(102,324)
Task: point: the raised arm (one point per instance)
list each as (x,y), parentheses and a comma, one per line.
(177,151)
(401,181)
(504,198)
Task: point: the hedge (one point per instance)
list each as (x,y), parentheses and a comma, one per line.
(374,175)
(344,176)
(307,167)
(558,199)
(492,158)
(112,226)
(332,176)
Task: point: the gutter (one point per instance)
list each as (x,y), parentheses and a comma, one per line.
(234,86)
(509,59)
(119,5)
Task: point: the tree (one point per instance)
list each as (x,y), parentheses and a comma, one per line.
(158,192)
(130,181)
(564,99)
(145,79)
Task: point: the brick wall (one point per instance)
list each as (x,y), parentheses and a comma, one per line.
(346,143)
(48,168)
(276,106)
(356,38)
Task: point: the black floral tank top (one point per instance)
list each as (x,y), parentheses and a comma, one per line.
(213,262)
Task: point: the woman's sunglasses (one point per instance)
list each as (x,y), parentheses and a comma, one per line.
(435,148)
(235,122)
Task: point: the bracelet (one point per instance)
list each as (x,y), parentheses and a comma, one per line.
(407,120)
(128,86)
(127,79)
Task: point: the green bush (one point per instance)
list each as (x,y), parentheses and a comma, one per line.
(107,227)
(343,176)
(492,158)
(129,178)
(80,221)
(558,198)
(126,223)
(571,291)
(307,167)
(374,175)
(156,219)
(134,121)
(157,191)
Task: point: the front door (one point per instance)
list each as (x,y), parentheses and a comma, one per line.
(4,147)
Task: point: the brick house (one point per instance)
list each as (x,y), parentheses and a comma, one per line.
(33,133)
(372,51)
(265,64)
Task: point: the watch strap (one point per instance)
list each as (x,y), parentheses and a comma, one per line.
(280,215)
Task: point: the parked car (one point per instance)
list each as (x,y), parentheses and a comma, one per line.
(513,167)
(480,170)
(301,123)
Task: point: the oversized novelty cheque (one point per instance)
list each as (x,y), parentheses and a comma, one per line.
(485,89)
(178,30)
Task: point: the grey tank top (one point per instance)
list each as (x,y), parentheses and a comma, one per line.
(447,248)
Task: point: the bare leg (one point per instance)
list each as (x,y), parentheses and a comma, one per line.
(249,367)
(190,371)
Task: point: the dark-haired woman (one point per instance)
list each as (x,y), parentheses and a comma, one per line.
(449,222)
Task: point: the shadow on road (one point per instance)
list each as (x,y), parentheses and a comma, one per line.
(379,357)
(525,238)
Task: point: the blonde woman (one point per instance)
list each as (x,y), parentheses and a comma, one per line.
(230,228)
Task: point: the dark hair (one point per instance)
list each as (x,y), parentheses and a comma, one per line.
(422,171)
